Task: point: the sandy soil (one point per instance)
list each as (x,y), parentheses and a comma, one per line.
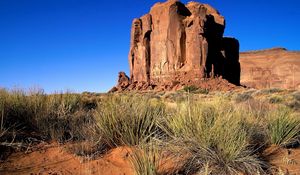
(286,161)
(56,160)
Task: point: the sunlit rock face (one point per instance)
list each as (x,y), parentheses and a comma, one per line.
(271,68)
(177,44)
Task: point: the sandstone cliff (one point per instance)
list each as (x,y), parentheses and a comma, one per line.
(177,45)
(271,68)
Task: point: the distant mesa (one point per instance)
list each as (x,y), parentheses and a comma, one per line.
(271,68)
(275,49)
(178,45)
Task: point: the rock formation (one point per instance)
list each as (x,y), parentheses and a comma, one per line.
(271,68)
(177,45)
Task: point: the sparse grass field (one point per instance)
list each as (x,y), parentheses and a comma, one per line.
(184,132)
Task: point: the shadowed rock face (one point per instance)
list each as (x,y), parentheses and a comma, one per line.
(176,45)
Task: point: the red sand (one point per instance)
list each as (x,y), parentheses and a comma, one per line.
(55,159)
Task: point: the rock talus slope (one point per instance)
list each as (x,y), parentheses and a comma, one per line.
(175,45)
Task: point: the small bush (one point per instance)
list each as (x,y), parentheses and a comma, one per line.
(275,99)
(295,105)
(270,91)
(190,88)
(202,91)
(296,95)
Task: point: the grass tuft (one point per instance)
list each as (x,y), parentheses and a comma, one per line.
(217,136)
(128,121)
(145,159)
(283,127)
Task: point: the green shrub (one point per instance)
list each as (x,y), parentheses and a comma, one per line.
(190,88)
(275,99)
(196,90)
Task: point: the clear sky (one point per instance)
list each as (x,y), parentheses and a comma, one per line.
(81,45)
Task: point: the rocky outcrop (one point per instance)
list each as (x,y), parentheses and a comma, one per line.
(271,68)
(123,82)
(177,45)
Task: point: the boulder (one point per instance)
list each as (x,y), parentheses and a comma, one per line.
(123,83)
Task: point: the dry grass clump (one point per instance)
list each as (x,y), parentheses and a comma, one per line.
(292,100)
(211,134)
(276,99)
(296,95)
(242,97)
(284,127)
(217,136)
(269,91)
(128,120)
(145,159)
(195,90)
(155,158)
(61,116)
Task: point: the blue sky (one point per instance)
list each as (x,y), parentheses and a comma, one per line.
(81,45)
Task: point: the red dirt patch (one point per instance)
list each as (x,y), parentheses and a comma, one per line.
(285,160)
(54,159)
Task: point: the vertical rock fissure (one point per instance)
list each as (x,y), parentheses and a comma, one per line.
(182,60)
(147,40)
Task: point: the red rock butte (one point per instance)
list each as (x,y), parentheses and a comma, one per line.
(177,45)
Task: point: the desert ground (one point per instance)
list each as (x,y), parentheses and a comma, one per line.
(191,131)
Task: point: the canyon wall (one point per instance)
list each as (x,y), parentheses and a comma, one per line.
(271,68)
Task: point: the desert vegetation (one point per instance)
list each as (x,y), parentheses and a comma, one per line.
(183,132)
